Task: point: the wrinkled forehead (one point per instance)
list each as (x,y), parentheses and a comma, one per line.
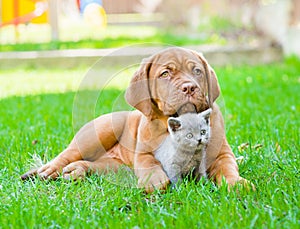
(175,58)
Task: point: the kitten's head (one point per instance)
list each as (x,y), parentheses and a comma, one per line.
(190,131)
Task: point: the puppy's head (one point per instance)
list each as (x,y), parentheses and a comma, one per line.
(170,81)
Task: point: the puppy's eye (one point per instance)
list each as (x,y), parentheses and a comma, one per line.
(165,74)
(203,132)
(197,71)
(189,135)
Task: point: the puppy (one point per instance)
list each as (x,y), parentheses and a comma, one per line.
(169,83)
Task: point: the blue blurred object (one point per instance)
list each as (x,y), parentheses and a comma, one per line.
(82,4)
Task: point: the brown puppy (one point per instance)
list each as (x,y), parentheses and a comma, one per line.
(171,82)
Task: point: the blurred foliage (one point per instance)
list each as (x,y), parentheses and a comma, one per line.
(217,23)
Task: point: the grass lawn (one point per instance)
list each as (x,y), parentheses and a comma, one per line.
(261,108)
(212,30)
(31,37)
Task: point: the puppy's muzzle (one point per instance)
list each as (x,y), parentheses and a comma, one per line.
(188,88)
(187,108)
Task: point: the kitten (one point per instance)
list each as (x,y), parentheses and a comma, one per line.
(184,150)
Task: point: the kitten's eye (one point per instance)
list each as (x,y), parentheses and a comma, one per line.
(189,135)
(203,132)
(197,71)
(164,74)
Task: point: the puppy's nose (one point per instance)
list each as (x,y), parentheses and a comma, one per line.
(188,88)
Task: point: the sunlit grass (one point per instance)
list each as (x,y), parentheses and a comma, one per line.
(261,109)
(22,82)
(37,37)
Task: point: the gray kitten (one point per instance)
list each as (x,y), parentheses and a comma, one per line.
(184,150)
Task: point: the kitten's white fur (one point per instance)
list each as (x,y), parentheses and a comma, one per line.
(178,154)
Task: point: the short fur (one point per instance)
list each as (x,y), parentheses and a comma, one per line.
(174,80)
(184,151)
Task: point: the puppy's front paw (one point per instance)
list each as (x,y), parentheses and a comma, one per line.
(76,170)
(50,171)
(240,183)
(30,174)
(155,179)
(246,184)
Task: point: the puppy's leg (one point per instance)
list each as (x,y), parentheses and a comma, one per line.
(53,168)
(149,172)
(79,169)
(225,166)
(90,143)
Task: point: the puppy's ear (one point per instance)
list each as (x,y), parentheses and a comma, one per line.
(174,124)
(137,94)
(213,89)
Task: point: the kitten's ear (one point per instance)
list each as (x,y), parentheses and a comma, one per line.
(174,124)
(206,114)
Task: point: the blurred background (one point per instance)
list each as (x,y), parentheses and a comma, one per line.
(48,45)
(27,25)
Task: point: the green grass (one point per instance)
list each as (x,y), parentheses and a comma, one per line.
(31,38)
(260,105)
(114,42)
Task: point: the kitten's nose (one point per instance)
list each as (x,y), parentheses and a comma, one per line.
(199,142)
